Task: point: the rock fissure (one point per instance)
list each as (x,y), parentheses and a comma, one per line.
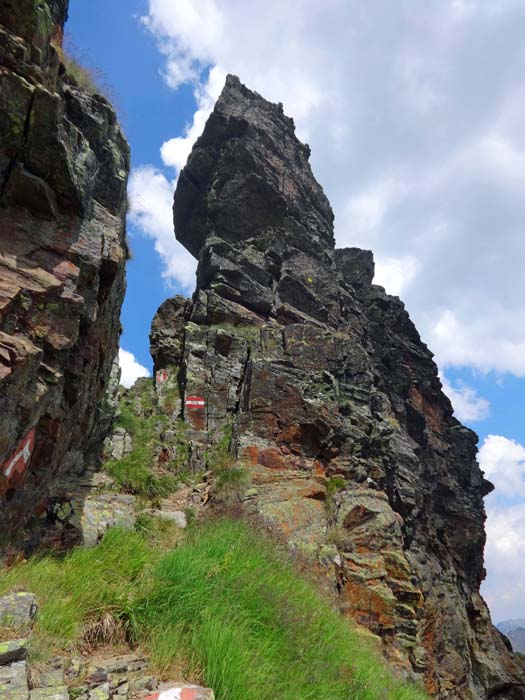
(16,158)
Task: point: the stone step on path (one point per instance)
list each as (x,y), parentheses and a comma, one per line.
(118,677)
(61,693)
(176,506)
(17,612)
(13,681)
(13,650)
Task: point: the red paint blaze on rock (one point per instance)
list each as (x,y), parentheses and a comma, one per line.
(195,414)
(161,376)
(15,467)
(180,694)
(188,694)
(195,402)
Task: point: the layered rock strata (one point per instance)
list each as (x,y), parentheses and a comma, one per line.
(63,170)
(332,401)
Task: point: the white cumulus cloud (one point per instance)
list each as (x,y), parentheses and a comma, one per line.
(151,201)
(395,274)
(175,151)
(503,461)
(130,368)
(468,405)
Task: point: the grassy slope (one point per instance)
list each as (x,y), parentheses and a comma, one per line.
(224,603)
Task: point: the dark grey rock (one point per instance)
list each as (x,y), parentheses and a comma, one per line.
(18,610)
(56,693)
(13,650)
(329,400)
(13,681)
(63,170)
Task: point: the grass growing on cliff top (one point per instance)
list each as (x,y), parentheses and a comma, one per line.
(223,604)
(82,76)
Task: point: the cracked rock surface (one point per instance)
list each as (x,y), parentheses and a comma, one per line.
(63,171)
(332,401)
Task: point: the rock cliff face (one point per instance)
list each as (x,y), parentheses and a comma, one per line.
(333,403)
(63,170)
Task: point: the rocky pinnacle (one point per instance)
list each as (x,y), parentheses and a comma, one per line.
(334,404)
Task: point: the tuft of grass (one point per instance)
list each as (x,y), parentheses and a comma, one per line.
(148,398)
(228,604)
(394,423)
(231,481)
(219,457)
(84,587)
(133,474)
(334,485)
(129,420)
(230,477)
(84,78)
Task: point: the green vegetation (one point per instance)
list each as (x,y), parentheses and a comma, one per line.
(223,604)
(133,473)
(230,482)
(147,396)
(129,420)
(230,476)
(182,448)
(334,485)
(249,333)
(169,400)
(81,588)
(219,457)
(393,422)
(82,76)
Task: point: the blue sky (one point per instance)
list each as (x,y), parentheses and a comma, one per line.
(415,113)
(108,37)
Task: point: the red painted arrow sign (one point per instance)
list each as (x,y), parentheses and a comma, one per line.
(195,402)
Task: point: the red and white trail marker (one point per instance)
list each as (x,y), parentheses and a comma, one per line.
(195,402)
(161,376)
(189,692)
(16,465)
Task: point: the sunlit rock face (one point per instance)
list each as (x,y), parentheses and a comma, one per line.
(63,171)
(333,402)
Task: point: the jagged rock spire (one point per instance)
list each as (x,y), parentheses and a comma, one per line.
(272,190)
(334,404)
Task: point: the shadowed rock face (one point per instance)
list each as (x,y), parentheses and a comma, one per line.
(337,411)
(63,170)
